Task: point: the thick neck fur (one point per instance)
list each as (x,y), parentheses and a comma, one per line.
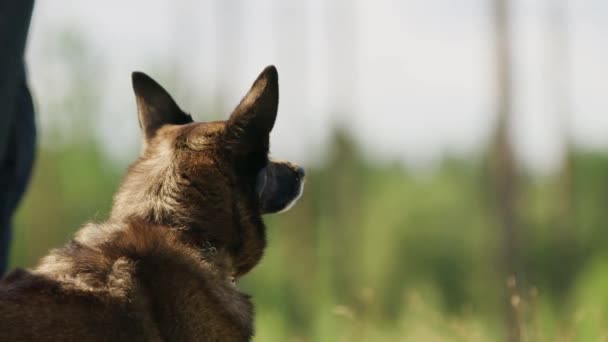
(139,265)
(157,192)
(150,189)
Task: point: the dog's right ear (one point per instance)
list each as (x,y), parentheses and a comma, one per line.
(155,107)
(249,125)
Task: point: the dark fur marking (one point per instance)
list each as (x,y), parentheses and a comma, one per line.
(186,220)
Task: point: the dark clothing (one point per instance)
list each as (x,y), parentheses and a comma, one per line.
(16,167)
(17,127)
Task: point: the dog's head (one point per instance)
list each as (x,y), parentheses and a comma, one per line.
(213,180)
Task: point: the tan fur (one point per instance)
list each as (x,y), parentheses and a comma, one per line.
(186,222)
(140,282)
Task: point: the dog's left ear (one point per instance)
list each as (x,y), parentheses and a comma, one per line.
(249,125)
(155,106)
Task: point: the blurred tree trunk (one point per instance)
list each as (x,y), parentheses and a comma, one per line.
(342,49)
(229,53)
(504,173)
(557,60)
(340,25)
(558,78)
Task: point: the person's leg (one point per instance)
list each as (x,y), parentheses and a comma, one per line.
(5,224)
(17,167)
(15,16)
(15,114)
(6,198)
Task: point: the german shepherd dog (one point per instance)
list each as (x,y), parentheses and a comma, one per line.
(186,223)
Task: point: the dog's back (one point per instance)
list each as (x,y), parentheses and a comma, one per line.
(34,307)
(140,284)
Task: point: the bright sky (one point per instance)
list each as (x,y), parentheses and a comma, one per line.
(412,79)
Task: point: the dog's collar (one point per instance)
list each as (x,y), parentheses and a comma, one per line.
(209,251)
(197,240)
(207,248)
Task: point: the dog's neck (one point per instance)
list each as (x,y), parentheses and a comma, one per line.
(118,256)
(98,236)
(233,229)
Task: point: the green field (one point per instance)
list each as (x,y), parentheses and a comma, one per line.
(378,252)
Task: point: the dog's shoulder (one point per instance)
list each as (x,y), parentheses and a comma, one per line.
(134,270)
(180,281)
(21,283)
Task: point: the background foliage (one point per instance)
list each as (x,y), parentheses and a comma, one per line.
(378,251)
(375,250)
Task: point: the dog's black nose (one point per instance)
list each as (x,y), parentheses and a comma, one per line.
(300,172)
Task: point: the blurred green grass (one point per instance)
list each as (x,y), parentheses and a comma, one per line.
(378,252)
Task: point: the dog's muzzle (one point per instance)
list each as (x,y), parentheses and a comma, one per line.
(279,185)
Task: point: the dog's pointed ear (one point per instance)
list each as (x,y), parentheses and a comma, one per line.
(249,125)
(155,107)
